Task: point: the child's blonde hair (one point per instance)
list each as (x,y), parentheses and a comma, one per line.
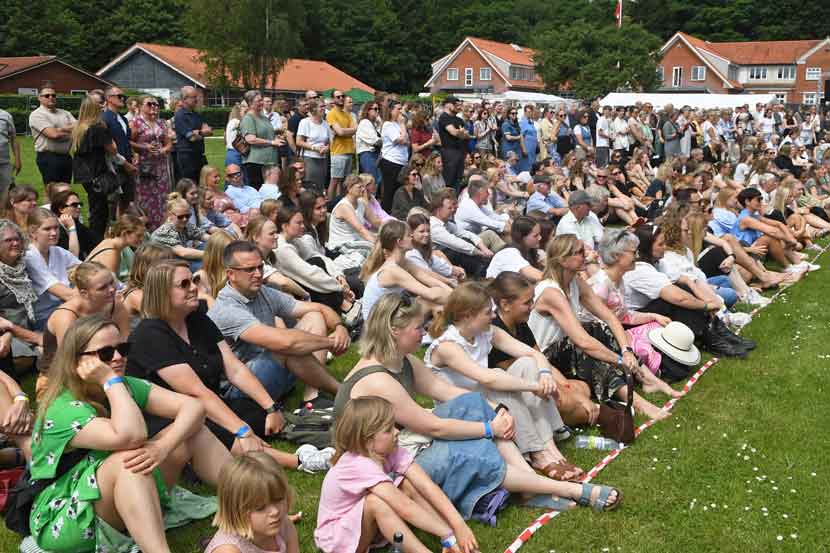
(362,419)
(248,483)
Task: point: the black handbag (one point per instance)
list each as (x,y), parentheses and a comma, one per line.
(18,507)
(106,183)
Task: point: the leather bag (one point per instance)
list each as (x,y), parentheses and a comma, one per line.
(616,419)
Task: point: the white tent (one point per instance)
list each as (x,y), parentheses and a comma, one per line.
(521,98)
(697,101)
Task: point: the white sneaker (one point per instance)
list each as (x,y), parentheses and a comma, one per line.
(314,460)
(795,269)
(812,266)
(754,298)
(737,320)
(815,247)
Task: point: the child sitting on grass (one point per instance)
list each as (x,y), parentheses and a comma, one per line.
(374,487)
(254,499)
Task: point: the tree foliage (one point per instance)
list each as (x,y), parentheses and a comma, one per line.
(245,41)
(594,61)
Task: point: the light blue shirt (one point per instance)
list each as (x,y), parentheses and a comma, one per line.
(244,198)
(537,202)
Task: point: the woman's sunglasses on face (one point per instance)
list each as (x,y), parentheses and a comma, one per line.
(107,353)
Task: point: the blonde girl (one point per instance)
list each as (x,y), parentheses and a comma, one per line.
(254,499)
(177,233)
(126,232)
(212,277)
(263,234)
(374,487)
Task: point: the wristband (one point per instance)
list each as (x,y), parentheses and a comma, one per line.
(488,430)
(21,397)
(449,541)
(243,430)
(275,407)
(628,349)
(112,382)
(73,229)
(619,360)
(544,371)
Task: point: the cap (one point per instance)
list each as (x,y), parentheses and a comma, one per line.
(579,197)
(450,100)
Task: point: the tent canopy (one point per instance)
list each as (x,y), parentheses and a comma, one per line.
(697,101)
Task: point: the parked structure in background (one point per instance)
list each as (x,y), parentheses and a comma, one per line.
(26,74)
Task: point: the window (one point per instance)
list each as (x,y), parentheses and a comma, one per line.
(757,73)
(676,76)
(468,76)
(732,72)
(781,97)
(484,74)
(810,98)
(452,74)
(660,74)
(27,91)
(698,73)
(74,92)
(813,73)
(522,74)
(786,72)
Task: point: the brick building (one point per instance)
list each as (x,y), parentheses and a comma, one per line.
(25,75)
(796,71)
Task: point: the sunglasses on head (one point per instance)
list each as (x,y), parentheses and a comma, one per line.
(106,353)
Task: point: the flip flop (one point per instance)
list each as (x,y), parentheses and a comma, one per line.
(557,469)
(550,502)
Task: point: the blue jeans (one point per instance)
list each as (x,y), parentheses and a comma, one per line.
(369,164)
(724,289)
(275,378)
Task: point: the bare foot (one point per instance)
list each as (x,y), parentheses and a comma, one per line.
(653,412)
(653,384)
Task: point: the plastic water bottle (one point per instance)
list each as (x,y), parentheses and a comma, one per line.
(397,543)
(596,442)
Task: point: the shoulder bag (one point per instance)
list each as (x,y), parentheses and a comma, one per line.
(616,419)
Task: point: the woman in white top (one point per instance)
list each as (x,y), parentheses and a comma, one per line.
(767,125)
(313,136)
(262,232)
(394,153)
(232,156)
(463,338)
(522,255)
(589,352)
(348,234)
(368,140)
(48,265)
(387,270)
(423,255)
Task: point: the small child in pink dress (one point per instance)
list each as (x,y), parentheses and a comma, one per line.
(374,487)
(254,499)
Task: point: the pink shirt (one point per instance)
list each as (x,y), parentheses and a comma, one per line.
(345,487)
(244,546)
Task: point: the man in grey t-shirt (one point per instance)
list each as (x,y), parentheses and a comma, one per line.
(247,312)
(8,144)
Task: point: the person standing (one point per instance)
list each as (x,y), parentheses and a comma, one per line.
(604,136)
(8,144)
(150,140)
(530,139)
(260,135)
(394,151)
(120,130)
(52,133)
(453,135)
(190,136)
(342,143)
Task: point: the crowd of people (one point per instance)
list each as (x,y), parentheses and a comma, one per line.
(542,260)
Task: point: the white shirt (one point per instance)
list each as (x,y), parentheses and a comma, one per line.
(675,265)
(45,275)
(620,129)
(231,130)
(478,351)
(476,219)
(390,151)
(507,259)
(643,284)
(437,264)
(448,235)
(315,134)
(269,191)
(366,136)
(545,329)
(603,125)
(589,229)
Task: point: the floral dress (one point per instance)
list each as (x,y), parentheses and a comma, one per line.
(153,170)
(63,515)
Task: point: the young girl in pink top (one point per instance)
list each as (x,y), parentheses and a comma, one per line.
(254,499)
(374,489)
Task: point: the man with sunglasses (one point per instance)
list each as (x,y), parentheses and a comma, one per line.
(342,143)
(247,312)
(52,134)
(119,128)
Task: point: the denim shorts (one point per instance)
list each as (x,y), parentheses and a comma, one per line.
(341,165)
(274,376)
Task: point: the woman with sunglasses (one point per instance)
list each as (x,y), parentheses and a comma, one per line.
(178,347)
(368,140)
(90,436)
(592,352)
(150,141)
(409,195)
(74,235)
(96,295)
(511,134)
(177,233)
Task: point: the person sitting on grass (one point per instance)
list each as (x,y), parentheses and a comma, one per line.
(254,499)
(126,232)
(427,257)
(463,445)
(176,233)
(148,255)
(359,499)
(90,426)
(178,347)
(463,338)
(522,255)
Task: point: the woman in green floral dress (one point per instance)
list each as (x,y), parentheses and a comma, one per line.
(122,481)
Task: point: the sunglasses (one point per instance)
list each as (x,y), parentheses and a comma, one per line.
(75,204)
(152,104)
(338,96)
(122,97)
(48,95)
(373,108)
(184,217)
(106,353)
(250,270)
(234,175)
(186,283)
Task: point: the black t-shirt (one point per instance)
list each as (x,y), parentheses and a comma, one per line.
(86,240)
(447,140)
(294,123)
(523,334)
(90,159)
(155,346)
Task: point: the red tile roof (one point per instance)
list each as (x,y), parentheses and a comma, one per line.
(520,56)
(296,75)
(13,65)
(755,53)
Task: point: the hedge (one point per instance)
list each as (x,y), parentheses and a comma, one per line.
(217,118)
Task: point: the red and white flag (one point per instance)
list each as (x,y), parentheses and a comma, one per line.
(618,14)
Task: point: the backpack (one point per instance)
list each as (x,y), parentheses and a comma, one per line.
(309,426)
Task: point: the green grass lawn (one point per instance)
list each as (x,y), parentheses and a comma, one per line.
(739,467)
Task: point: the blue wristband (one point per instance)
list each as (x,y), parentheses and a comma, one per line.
(244,429)
(449,541)
(488,430)
(112,382)
(619,360)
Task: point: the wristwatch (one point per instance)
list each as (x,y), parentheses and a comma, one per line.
(628,349)
(277,406)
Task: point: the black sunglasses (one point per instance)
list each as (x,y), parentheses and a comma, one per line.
(49,95)
(250,270)
(152,104)
(184,217)
(106,353)
(234,175)
(338,96)
(186,283)
(75,204)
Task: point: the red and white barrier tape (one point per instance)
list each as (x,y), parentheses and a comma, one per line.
(528,532)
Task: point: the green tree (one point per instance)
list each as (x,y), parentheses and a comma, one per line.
(596,60)
(245,41)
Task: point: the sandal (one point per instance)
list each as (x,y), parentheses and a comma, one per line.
(550,502)
(600,502)
(557,470)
